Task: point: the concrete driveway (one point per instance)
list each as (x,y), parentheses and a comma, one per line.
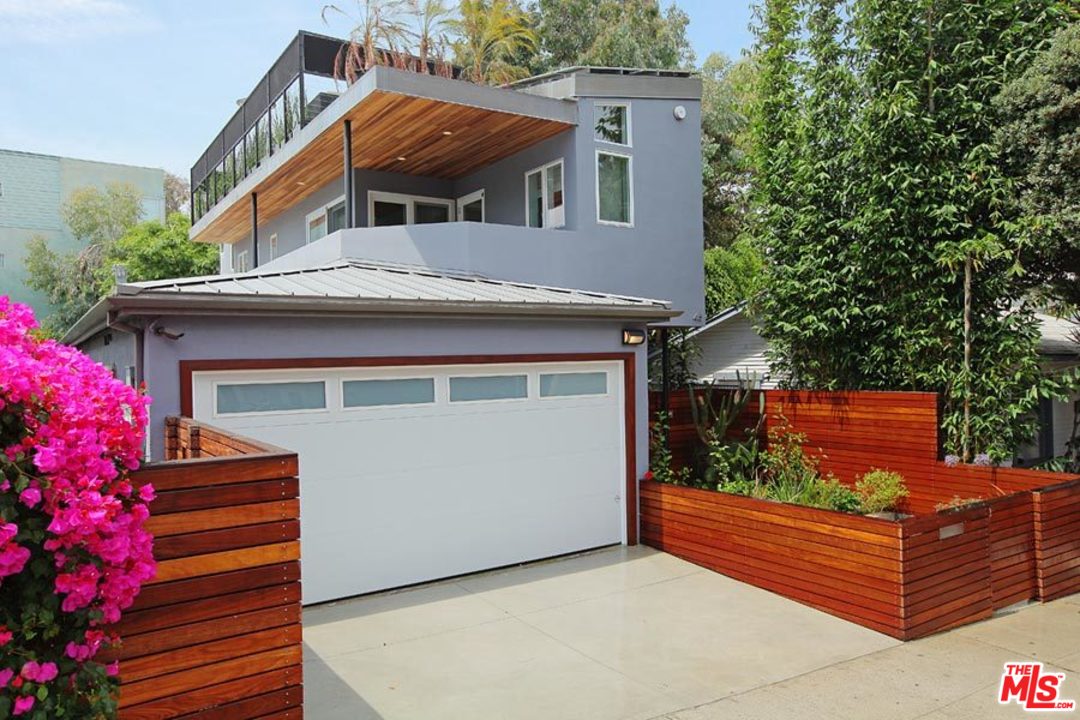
(636,633)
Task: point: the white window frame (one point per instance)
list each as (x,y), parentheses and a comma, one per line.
(315,214)
(471,198)
(630,172)
(273,246)
(544,193)
(241,264)
(409,201)
(629,131)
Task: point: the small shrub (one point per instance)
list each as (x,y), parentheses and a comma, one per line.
(880,490)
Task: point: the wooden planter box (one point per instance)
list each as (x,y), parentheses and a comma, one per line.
(906,579)
(934,571)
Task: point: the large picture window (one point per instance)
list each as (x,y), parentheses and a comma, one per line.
(614,189)
(544,198)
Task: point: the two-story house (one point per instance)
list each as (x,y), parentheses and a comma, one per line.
(438,294)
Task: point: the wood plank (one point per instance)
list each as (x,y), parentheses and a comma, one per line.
(222,605)
(251,708)
(184,703)
(213,563)
(218,518)
(173,638)
(177,546)
(173,501)
(211,586)
(133,693)
(195,656)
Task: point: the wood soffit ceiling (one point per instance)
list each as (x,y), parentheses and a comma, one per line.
(386,127)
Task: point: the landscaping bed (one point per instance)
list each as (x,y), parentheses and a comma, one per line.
(974,538)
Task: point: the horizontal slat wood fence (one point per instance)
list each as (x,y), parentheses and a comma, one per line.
(1021,542)
(217,633)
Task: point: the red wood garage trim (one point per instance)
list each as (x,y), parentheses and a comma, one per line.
(188,367)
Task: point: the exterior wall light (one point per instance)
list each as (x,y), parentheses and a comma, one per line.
(633,336)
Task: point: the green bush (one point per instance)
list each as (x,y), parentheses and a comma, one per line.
(880,490)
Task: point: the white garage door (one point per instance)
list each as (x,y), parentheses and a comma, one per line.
(409,474)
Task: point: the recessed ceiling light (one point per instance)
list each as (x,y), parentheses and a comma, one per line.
(401,158)
(447,132)
(301,183)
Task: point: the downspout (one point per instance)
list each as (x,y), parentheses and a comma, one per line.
(139,335)
(140,343)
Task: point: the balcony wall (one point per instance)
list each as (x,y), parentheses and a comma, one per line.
(612,262)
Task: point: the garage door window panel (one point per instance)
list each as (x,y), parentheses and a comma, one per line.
(381,393)
(489,387)
(269,397)
(553,385)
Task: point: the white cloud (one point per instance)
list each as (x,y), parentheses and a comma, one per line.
(51,21)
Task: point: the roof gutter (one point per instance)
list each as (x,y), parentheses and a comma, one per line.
(201,304)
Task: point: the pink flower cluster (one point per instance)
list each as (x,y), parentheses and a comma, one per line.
(84,432)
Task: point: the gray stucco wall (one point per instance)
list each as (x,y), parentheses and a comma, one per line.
(113,349)
(660,256)
(219,338)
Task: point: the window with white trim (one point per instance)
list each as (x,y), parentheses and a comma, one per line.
(241,264)
(544,198)
(611,123)
(327,219)
(386,208)
(614,188)
(470,208)
(273,246)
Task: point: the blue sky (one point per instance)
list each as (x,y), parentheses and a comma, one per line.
(151,83)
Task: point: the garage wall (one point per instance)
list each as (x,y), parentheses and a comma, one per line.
(220,338)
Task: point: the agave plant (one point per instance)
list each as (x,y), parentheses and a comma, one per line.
(714,411)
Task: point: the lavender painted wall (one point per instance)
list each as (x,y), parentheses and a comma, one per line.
(659,256)
(219,338)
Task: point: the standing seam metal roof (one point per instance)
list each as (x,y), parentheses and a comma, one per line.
(353,278)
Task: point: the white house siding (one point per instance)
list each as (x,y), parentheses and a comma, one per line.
(729,347)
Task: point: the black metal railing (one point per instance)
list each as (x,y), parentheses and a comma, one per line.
(268,118)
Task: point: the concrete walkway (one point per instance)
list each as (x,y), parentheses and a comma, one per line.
(632,633)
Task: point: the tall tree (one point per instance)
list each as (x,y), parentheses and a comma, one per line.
(1039,142)
(727,94)
(613,33)
(876,165)
(491,35)
(155,250)
(177,193)
(97,219)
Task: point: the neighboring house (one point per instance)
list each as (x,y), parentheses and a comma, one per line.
(728,343)
(729,350)
(33,187)
(449,333)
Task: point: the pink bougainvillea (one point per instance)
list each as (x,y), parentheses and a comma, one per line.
(73,549)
